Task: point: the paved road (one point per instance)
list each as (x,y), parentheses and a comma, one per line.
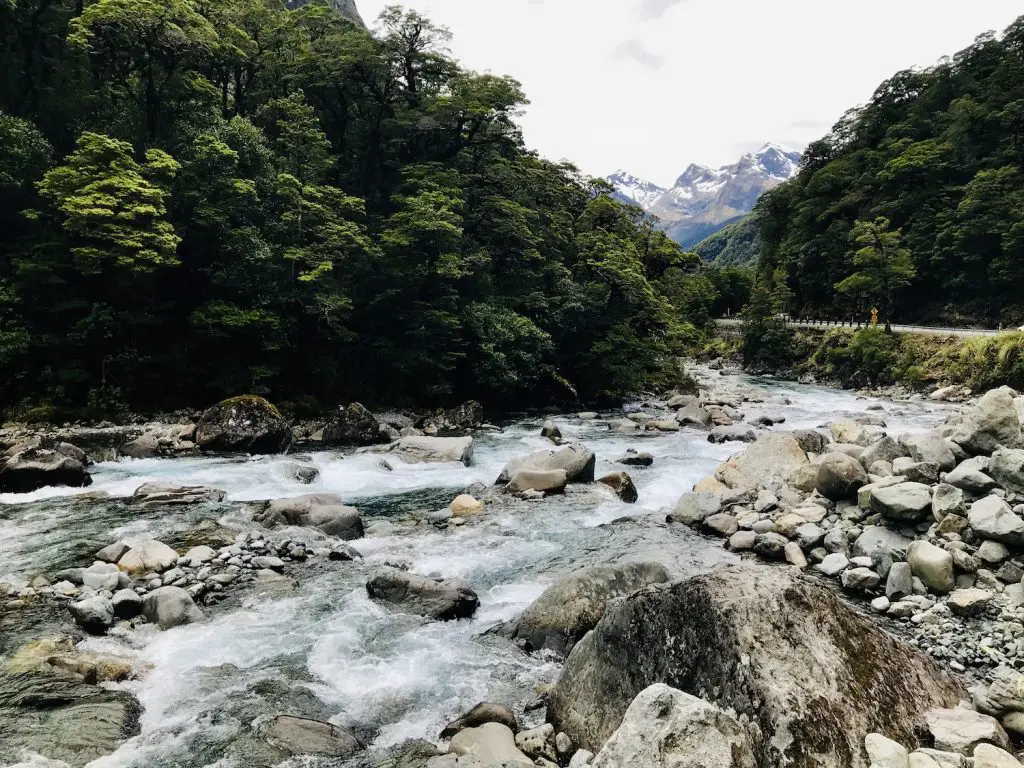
(920,329)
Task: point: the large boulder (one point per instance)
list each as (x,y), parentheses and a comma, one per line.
(170,607)
(970,476)
(772,457)
(454,421)
(62,718)
(903,501)
(622,484)
(246,423)
(850,432)
(929,446)
(302,736)
(548,481)
(666,728)
(839,476)
(34,467)
(158,493)
(324,511)
(484,712)
(991,423)
(423,449)
(149,556)
(695,507)
(491,744)
(813,675)
(437,599)
(694,415)
(932,565)
(883,449)
(571,607)
(1007,468)
(992,518)
(355,425)
(94,614)
(576,459)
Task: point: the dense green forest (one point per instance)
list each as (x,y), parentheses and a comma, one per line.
(915,201)
(202,199)
(733,246)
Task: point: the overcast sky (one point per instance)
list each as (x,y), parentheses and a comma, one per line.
(653,85)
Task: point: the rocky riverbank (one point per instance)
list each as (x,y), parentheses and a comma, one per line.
(782,663)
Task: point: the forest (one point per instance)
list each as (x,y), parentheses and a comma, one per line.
(204,199)
(913,203)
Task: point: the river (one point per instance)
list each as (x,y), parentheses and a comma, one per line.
(325,650)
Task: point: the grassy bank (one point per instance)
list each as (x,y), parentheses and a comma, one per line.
(870,358)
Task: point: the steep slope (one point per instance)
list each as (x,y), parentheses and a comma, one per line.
(704,200)
(346,8)
(735,245)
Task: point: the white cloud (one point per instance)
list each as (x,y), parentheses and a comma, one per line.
(733,72)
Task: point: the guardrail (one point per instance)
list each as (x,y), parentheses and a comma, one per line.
(920,329)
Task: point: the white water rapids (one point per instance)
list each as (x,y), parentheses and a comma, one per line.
(326,650)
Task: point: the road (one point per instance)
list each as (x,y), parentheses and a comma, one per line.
(730,322)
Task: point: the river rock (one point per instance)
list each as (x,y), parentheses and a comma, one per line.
(969,602)
(576,460)
(988,756)
(883,449)
(666,728)
(926,472)
(900,582)
(571,607)
(158,493)
(733,433)
(932,565)
(149,556)
(636,459)
(722,524)
(1007,468)
(465,505)
(992,518)
(323,511)
(929,446)
(426,449)
(770,545)
(885,753)
(101,576)
(622,484)
(546,481)
(127,604)
(772,456)
(538,743)
(62,718)
(859,579)
(246,423)
(902,501)
(484,712)
(353,424)
(991,423)
(490,744)
(112,552)
(970,476)
(947,500)
(694,415)
(34,467)
(839,476)
(695,507)
(764,643)
(847,431)
(302,736)
(94,614)
(961,730)
(1004,693)
(170,607)
(834,564)
(810,440)
(434,598)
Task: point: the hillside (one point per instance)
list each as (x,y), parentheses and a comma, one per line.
(926,182)
(703,200)
(735,245)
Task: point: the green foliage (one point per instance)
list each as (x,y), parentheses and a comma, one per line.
(767,342)
(736,245)
(203,199)
(869,355)
(924,182)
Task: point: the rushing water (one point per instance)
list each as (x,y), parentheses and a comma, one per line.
(326,650)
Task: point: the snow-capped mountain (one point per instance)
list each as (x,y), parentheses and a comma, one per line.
(703,200)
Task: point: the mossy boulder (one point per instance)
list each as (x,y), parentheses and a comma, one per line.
(245,424)
(813,676)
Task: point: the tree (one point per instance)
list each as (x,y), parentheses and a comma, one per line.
(884,267)
(766,338)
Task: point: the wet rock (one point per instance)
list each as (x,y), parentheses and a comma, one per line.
(112,552)
(551,431)
(323,511)
(961,730)
(932,565)
(969,602)
(571,607)
(622,484)
(764,643)
(62,718)
(484,712)
(428,449)
(666,728)
(490,744)
(636,459)
(149,556)
(576,460)
(158,493)
(694,416)
(902,501)
(436,599)
(544,481)
(538,743)
(302,736)
(931,447)
(465,505)
(94,614)
(1007,468)
(992,518)
(34,467)
(772,456)
(246,424)
(344,552)
(302,473)
(353,424)
(127,604)
(735,433)
(839,476)
(170,607)
(991,423)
